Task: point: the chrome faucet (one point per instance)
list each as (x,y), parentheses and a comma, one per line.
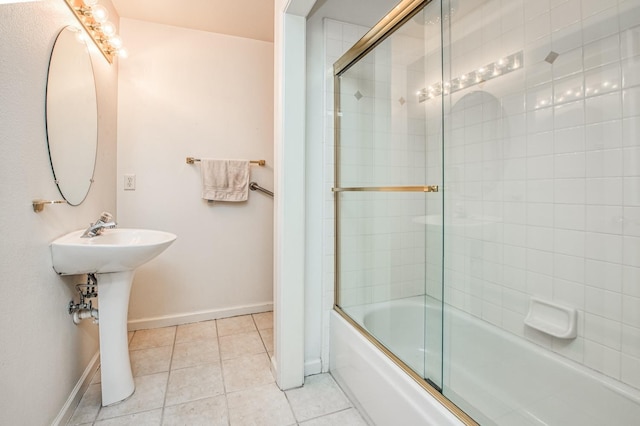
(94,229)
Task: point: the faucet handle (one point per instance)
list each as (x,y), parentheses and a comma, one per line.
(106,217)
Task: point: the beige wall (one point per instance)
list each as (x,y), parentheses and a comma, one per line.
(42,353)
(193,93)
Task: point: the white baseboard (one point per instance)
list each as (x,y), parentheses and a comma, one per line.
(312,367)
(78,391)
(187,318)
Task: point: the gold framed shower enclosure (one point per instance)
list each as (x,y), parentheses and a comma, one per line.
(400,15)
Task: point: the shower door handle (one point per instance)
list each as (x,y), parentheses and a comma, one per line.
(425,188)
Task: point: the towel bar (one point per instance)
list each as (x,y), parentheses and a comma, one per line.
(38,205)
(191,160)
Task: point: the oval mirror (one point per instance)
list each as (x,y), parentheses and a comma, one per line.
(72,115)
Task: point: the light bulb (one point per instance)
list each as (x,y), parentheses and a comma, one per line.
(100,13)
(108,29)
(122,53)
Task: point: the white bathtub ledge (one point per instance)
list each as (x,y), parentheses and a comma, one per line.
(386,394)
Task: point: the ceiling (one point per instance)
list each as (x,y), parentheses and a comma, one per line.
(242,18)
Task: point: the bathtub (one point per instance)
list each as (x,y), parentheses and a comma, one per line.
(494,376)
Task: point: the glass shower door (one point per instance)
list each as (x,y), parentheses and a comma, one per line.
(387,194)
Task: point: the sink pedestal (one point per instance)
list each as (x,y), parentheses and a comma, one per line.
(113,305)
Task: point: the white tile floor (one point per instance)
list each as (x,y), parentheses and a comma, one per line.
(215,373)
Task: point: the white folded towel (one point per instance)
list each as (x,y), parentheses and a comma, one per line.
(225,180)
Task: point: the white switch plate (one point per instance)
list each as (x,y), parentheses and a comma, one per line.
(129,182)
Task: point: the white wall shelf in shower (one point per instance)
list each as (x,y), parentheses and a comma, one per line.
(553,319)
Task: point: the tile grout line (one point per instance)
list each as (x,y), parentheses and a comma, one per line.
(286,397)
(95,420)
(100,370)
(166,389)
(224,385)
(260,335)
(291,406)
(85,392)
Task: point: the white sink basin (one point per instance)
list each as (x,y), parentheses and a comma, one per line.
(113,256)
(115,250)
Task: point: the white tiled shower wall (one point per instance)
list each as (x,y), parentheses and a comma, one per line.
(382,144)
(542,171)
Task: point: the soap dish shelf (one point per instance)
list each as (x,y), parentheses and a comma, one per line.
(553,319)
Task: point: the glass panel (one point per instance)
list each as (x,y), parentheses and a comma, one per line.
(389,244)
(382,268)
(541,203)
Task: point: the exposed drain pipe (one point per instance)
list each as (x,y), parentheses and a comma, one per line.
(84,310)
(81,314)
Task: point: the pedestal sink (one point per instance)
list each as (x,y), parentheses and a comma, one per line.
(113,256)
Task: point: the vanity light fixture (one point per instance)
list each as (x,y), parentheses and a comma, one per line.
(93,18)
